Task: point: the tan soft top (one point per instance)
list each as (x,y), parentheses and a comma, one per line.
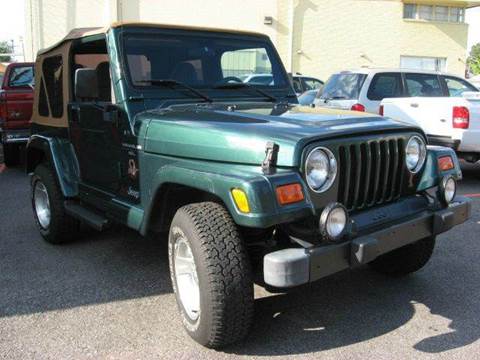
(83,32)
(63,48)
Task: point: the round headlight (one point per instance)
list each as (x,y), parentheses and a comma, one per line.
(320,169)
(448,189)
(415,154)
(333,221)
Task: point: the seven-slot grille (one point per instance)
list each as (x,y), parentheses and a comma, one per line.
(371,172)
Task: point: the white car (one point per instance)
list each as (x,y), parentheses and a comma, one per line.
(300,83)
(364,89)
(452,122)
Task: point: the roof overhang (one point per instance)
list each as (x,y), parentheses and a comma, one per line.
(459,3)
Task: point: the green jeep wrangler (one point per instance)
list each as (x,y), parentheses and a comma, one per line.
(152,127)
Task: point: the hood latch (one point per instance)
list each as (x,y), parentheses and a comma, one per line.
(271,156)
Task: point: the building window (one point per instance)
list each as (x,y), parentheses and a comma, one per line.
(423,63)
(433,13)
(457,14)
(441,13)
(425,12)
(409,11)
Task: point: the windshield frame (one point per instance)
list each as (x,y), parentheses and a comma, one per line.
(153,92)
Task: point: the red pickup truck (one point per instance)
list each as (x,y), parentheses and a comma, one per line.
(16,102)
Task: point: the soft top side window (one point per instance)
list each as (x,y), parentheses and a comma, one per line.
(93,55)
(52,69)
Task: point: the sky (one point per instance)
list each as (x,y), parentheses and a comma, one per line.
(473,19)
(12,22)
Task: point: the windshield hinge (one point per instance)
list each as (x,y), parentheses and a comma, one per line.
(271,155)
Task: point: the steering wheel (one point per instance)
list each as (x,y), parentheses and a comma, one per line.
(230,79)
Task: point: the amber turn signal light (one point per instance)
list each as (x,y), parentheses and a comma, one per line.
(445,163)
(289,194)
(241,200)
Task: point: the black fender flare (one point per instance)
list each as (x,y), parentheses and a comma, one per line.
(60,154)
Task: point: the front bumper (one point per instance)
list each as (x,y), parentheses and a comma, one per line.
(297,266)
(15,136)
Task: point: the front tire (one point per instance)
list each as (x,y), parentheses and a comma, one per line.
(54,224)
(405,260)
(211,274)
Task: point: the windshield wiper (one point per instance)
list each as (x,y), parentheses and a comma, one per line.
(239,85)
(170,83)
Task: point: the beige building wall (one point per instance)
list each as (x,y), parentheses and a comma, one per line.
(48,21)
(314,37)
(229,14)
(330,35)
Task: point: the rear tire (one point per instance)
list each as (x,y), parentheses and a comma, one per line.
(11,154)
(53,223)
(405,260)
(220,279)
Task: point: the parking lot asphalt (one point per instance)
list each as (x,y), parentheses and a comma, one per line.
(108,296)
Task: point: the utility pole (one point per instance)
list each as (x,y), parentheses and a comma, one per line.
(291,25)
(13,50)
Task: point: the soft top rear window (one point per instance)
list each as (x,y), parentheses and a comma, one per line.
(345,86)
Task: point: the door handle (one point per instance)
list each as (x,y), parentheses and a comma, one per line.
(414,105)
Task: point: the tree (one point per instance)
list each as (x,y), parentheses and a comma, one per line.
(474,59)
(5,48)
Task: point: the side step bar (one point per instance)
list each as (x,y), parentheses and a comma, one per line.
(88,216)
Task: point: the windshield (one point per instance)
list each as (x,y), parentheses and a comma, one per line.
(202,61)
(343,86)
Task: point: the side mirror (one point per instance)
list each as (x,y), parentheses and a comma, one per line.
(86,84)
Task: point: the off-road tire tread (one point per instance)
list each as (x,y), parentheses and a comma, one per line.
(229,271)
(63,227)
(405,260)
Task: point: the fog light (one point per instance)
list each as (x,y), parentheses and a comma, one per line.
(333,221)
(448,189)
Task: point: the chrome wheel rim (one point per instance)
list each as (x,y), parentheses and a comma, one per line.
(42,204)
(186,278)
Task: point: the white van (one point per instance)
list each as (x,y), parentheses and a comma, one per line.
(364,89)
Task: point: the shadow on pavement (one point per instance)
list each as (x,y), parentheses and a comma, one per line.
(347,308)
